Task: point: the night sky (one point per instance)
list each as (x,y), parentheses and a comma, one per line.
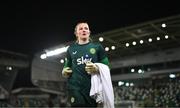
(30,26)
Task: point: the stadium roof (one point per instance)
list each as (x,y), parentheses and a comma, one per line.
(164,33)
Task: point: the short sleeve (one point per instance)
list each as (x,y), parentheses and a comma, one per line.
(101,53)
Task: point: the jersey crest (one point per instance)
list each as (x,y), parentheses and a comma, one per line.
(92,50)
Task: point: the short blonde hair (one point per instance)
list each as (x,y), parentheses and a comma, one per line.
(75,29)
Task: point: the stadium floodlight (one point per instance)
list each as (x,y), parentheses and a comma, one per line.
(127,84)
(54,52)
(113,47)
(141,41)
(9,68)
(172,76)
(150,39)
(134,43)
(43,56)
(132,70)
(120,83)
(131,84)
(106,48)
(166,36)
(158,38)
(62,60)
(101,39)
(163,25)
(127,44)
(140,71)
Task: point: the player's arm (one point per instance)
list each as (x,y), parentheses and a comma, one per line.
(102,56)
(105,61)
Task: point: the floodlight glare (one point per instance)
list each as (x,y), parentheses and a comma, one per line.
(166,36)
(62,60)
(113,47)
(134,43)
(127,84)
(140,71)
(127,44)
(172,75)
(150,40)
(163,25)
(120,83)
(131,84)
(43,56)
(106,48)
(54,52)
(9,68)
(158,38)
(132,70)
(101,39)
(141,41)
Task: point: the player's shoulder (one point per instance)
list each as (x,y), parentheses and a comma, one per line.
(71,45)
(96,43)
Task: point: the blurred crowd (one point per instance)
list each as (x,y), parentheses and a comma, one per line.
(161,94)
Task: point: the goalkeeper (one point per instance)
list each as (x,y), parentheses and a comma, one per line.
(76,70)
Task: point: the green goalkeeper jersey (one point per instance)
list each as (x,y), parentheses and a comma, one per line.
(77,56)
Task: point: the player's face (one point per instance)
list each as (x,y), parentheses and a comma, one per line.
(82,31)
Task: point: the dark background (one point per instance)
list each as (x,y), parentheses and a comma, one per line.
(30,26)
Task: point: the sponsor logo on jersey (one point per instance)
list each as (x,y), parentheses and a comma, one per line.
(83,60)
(74,52)
(92,50)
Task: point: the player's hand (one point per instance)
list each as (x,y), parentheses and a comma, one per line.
(67,72)
(91,68)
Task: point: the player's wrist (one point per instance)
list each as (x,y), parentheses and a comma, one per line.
(91,68)
(66,72)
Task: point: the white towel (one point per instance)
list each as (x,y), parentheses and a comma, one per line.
(101,86)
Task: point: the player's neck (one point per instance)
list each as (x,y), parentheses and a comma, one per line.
(83,41)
